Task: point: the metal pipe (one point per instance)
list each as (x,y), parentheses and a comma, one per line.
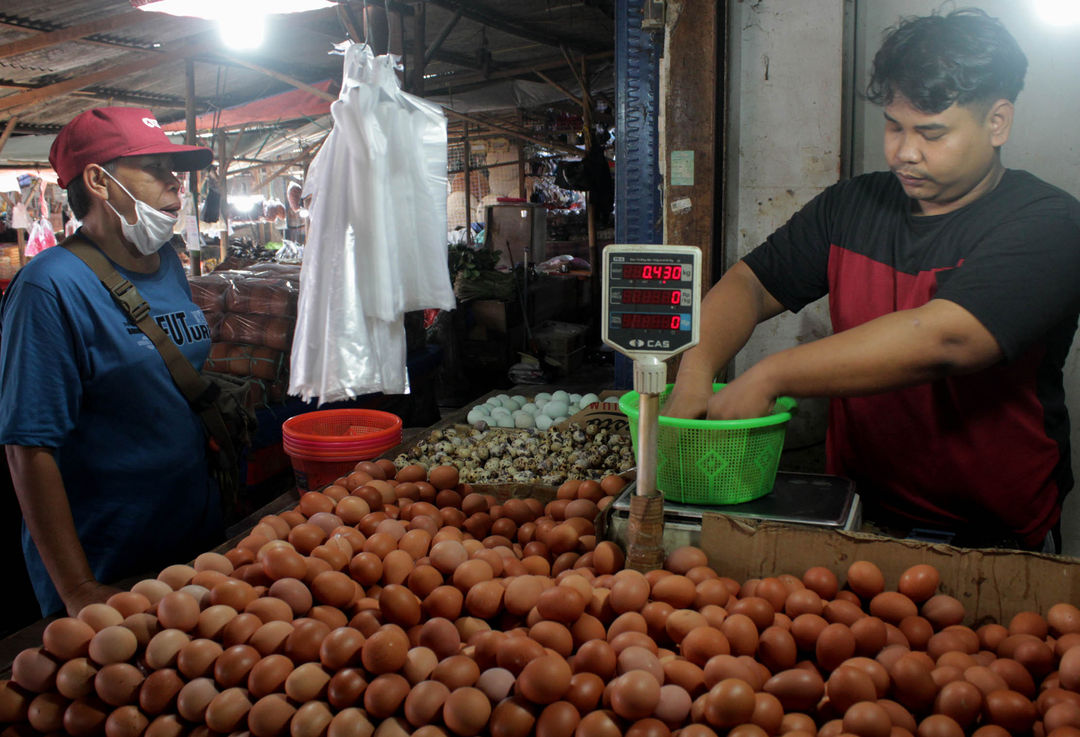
(648,420)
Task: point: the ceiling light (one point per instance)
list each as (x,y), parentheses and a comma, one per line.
(241,23)
(1058,12)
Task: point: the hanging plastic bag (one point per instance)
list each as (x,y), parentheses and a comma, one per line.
(41,237)
(377,241)
(41,234)
(20,218)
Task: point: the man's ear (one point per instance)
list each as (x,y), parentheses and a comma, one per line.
(95,179)
(999,119)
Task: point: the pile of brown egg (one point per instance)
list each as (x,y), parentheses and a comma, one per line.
(400,602)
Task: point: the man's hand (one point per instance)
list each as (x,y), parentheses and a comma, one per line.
(88,592)
(747,397)
(688,400)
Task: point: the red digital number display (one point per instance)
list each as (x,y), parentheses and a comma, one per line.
(630,321)
(649,271)
(651,297)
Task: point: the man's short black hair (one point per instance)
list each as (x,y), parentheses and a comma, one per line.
(965,57)
(78,197)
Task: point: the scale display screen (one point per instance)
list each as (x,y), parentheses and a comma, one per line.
(652,272)
(651,299)
(633,321)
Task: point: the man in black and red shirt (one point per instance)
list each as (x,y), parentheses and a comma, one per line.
(954,290)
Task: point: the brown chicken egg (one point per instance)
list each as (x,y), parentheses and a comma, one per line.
(228,710)
(865,579)
(270,716)
(126,721)
(86,717)
(113,644)
(307,682)
(67,638)
(195,697)
(466,711)
(118,684)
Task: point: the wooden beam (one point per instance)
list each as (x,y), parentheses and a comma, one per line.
(438,42)
(511,26)
(273,73)
(523,71)
(457,59)
(7,131)
(346,20)
(559,87)
(511,132)
(107,93)
(22,100)
(419,54)
(286,165)
(450,113)
(72,33)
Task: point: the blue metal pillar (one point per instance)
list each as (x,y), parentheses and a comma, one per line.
(638,214)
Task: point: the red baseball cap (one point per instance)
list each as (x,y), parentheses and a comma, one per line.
(106,133)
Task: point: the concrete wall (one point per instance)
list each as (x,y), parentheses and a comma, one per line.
(784,145)
(1043,140)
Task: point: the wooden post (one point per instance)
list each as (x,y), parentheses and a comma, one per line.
(468,189)
(521,159)
(692,126)
(419,42)
(194,249)
(378,29)
(223,187)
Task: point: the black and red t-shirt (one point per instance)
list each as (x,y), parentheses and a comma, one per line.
(989,449)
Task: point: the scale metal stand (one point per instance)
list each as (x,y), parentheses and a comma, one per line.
(651,311)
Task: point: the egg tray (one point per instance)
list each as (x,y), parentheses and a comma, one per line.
(501,455)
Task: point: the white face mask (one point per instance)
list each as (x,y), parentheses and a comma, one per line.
(152,227)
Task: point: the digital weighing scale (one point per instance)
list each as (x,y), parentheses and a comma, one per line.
(651,308)
(819,500)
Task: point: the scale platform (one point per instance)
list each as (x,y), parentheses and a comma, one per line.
(819,500)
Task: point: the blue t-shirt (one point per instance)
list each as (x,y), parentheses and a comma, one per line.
(78,376)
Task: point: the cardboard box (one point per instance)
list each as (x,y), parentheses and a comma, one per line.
(565,363)
(992,584)
(560,337)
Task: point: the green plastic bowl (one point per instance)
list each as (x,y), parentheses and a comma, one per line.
(714,462)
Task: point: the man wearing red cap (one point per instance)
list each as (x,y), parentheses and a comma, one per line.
(107,458)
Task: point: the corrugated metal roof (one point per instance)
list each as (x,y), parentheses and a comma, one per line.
(131,57)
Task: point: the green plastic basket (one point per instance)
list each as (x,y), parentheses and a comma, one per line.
(714,461)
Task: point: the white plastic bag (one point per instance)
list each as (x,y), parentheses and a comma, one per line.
(377,244)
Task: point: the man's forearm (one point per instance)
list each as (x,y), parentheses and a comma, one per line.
(729,313)
(47,513)
(891,352)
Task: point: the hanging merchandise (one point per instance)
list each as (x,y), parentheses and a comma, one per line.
(41,233)
(376,246)
(19,216)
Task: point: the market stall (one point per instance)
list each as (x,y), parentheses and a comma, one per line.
(502,609)
(460,518)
